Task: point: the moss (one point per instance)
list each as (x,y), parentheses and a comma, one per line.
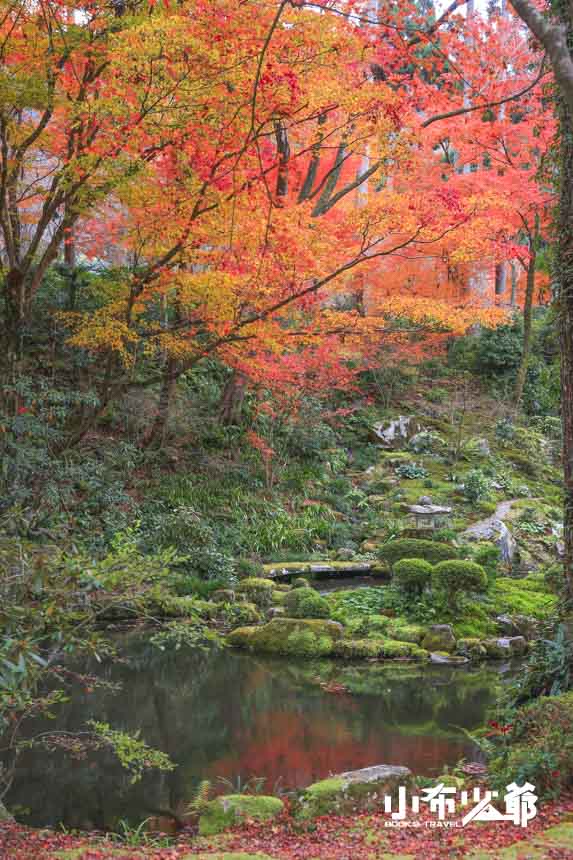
(412,574)
(403,632)
(357,648)
(321,797)
(306,603)
(470,647)
(289,636)
(391,649)
(167,605)
(230,809)
(528,596)
(241,614)
(428,550)
(344,794)
(257,590)
(278,597)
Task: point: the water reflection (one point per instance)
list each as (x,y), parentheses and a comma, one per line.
(232,715)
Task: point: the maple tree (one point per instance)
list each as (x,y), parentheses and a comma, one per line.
(245,163)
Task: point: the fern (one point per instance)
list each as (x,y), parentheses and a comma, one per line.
(201,798)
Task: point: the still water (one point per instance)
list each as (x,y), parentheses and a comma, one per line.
(226,714)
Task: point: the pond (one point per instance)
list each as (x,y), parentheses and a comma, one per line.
(226,714)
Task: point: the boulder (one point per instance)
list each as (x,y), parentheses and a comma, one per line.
(505,647)
(518,625)
(223,595)
(448,659)
(440,637)
(290,636)
(231,809)
(394,433)
(507,544)
(354,790)
(471,648)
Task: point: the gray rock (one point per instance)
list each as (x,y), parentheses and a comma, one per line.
(440,637)
(345,553)
(505,647)
(428,510)
(354,790)
(507,544)
(392,434)
(425,500)
(482,447)
(518,625)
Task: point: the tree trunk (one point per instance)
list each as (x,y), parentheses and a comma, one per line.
(158,430)
(527,325)
(514,280)
(564,278)
(232,399)
(14,314)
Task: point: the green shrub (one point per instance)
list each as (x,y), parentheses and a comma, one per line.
(488,555)
(300,582)
(246,567)
(541,745)
(306,603)
(454,577)
(412,574)
(257,590)
(477,485)
(431,551)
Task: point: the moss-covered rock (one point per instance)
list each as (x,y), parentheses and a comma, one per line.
(257,590)
(505,647)
(353,649)
(223,595)
(241,614)
(278,597)
(440,637)
(471,647)
(289,636)
(392,649)
(402,632)
(363,789)
(231,809)
(306,603)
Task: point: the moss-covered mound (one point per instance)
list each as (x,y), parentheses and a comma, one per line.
(352,791)
(429,550)
(306,603)
(289,636)
(230,809)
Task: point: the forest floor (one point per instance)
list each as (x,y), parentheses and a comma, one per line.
(363,837)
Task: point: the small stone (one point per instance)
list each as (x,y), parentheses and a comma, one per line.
(425,500)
